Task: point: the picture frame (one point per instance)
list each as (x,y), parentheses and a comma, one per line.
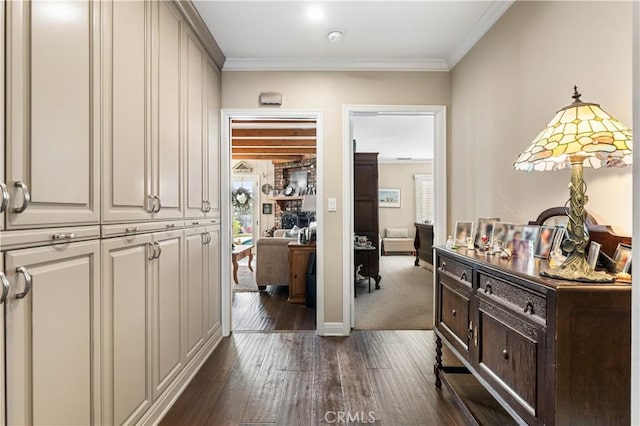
(530,233)
(522,248)
(389,197)
(267,208)
(514,232)
(558,238)
(485,227)
(463,231)
(594,251)
(622,257)
(544,242)
(499,233)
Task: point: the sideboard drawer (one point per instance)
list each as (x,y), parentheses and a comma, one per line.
(455,269)
(454,314)
(513,359)
(519,299)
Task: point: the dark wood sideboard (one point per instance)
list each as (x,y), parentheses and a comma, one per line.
(423,243)
(551,352)
(365,206)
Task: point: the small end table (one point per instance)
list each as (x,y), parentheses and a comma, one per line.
(367,251)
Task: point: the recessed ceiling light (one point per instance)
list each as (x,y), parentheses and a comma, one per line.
(315,13)
(335,35)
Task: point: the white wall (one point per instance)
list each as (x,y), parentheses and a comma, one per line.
(394,175)
(329,91)
(508,87)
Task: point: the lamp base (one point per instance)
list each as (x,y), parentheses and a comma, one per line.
(576,268)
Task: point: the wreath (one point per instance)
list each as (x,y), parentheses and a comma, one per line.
(241,199)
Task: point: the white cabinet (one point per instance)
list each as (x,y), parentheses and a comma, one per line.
(212,169)
(126,307)
(142,155)
(143,315)
(212,260)
(195,290)
(4,191)
(52,113)
(52,335)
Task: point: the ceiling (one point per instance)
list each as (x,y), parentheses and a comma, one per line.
(378,35)
(396,138)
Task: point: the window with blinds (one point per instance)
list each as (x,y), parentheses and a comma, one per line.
(424,197)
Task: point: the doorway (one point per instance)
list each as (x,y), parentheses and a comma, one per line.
(254,136)
(437,114)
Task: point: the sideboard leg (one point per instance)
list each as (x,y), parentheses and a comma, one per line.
(438,365)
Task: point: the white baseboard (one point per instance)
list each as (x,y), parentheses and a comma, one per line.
(165,401)
(335,329)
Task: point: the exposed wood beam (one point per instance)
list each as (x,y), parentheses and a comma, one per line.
(273,142)
(240,121)
(275,151)
(256,133)
(274,158)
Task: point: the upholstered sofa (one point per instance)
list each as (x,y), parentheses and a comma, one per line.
(397,240)
(272,260)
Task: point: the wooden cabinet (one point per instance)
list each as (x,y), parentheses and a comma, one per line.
(52,113)
(298,264)
(127,343)
(544,348)
(423,243)
(212,178)
(52,335)
(212,257)
(365,205)
(142,156)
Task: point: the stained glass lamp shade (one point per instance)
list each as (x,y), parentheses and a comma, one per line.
(580,135)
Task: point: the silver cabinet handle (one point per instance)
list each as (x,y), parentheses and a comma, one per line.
(151,251)
(5,287)
(65,236)
(203,209)
(204,238)
(151,204)
(131,229)
(157,205)
(208,206)
(26,196)
(27,282)
(171,225)
(159,252)
(5,197)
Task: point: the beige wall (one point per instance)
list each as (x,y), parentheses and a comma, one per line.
(328,92)
(510,85)
(401,176)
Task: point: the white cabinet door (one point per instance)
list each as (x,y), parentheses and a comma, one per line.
(167,308)
(4,289)
(213,141)
(196,142)
(167,146)
(195,290)
(126,308)
(4,191)
(126,119)
(53,99)
(213,279)
(53,335)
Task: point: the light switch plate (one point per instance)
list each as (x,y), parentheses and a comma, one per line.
(332,205)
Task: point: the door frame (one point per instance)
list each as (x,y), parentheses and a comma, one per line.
(439,112)
(226,115)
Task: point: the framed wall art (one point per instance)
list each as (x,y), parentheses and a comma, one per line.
(388,197)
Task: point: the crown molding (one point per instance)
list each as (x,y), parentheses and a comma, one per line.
(193,18)
(488,19)
(292,64)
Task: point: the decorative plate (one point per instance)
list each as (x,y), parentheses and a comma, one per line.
(266,188)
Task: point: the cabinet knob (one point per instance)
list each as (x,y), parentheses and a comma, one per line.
(454,312)
(488,289)
(463,276)
(505,354)
(528,308)
(443,267)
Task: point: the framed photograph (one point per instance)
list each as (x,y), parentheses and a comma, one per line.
(558,238)
(485,227)
(389,197)
(499,233)
(514,232)
(622,257)
(544,242)
(522,248)
(530,233)
(463,231)
(267,208)
(594,251)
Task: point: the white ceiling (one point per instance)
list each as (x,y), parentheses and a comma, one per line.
(378,35)
(394,137)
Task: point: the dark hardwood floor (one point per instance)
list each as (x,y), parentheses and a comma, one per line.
(283,378)
(269,310)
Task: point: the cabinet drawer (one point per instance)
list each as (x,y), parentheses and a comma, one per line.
(510,359)
(519,299)
(454,314)
(455,269)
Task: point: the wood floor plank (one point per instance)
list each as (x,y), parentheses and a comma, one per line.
(264,400)
(356,387)
(269,310)
(395,407)
(301,353)
(327,387)
(232,402)
(370,345)
(296,402)
(198,408)
(220,364)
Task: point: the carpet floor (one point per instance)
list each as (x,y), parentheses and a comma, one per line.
(246,278)
(404,300)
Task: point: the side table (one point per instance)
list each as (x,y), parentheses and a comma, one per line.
(298,261)
(359,252)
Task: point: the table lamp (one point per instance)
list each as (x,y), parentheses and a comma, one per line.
(580,135)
